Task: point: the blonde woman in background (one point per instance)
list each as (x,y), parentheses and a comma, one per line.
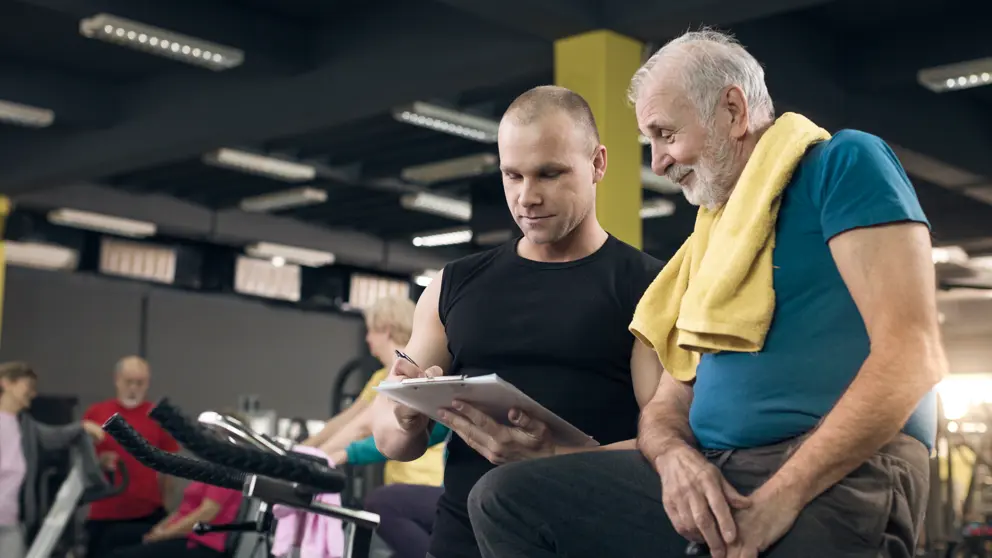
(388,323)
(22,439)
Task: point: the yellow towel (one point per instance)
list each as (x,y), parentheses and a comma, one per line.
(716,293)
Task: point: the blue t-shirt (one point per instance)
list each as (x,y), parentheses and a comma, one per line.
(817,341)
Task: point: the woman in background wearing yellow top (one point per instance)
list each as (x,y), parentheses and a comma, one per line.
(388,325)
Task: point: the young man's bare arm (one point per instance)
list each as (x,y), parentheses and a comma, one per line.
(428,347)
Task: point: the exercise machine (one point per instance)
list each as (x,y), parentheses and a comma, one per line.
(351,378)
(272,475)
(85,483)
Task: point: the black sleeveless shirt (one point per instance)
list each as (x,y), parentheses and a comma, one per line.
(558,332)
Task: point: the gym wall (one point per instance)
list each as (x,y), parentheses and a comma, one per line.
(204,350)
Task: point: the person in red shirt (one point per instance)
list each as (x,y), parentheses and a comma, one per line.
(124,519)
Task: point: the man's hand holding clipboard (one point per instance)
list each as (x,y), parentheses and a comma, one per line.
(524,438)
(404,368)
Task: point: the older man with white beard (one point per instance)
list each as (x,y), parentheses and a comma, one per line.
(797,412)
(123,520)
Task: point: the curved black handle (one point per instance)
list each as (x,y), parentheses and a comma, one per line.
(170,464)
(115,487)
(289,468)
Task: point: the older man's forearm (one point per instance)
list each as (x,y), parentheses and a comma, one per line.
(664,420)
(870,414)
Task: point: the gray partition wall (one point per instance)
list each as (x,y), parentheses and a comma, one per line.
(210,349)
(71,328)
(205,350)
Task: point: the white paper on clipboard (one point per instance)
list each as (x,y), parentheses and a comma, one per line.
(490,394)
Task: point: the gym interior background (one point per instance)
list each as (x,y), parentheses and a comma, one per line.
(220,186)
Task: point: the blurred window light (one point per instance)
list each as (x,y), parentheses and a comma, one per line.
(960,393)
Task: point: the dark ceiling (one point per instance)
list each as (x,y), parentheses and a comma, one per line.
(321,76)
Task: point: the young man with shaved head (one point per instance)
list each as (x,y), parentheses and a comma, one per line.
(547,312)
(123,520)
(801,429)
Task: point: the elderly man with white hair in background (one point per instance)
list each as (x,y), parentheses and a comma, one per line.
(797,411)
(126,519)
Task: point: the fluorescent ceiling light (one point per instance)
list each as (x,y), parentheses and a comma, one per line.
(452,169)
(950,255)
(452,208)
(660,184)
(253,163)
(962,75)
(458,123)
(449,238)
(425,277)
(25,115)
(286,199)
(981,262)
(279,254)
(40,255)
(101,223)
(658,207)
(160,42)
(981,193)
(492,238)
(448,121)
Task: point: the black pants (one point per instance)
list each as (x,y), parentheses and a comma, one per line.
(105,536)
(171,548)
(406,513)
(609,504)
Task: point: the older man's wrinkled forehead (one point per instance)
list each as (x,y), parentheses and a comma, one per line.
(663,98)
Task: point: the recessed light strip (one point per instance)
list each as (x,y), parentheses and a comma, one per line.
(448,238)
(160,42)
(263,165)
(952,77)
(25,115)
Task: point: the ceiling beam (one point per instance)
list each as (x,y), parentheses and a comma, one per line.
(801,67)
(548,19)
(270,44)
(657,20)
(78,102)
(371,66)
(893,59)
(804,73)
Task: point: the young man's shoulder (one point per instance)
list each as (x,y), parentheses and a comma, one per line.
(635,257)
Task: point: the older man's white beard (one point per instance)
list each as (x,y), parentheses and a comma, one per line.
(714,175)
(130,402)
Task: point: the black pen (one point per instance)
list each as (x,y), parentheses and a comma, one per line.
(400,354)
(404,356)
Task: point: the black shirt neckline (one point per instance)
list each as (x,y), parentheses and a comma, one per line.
(520,260)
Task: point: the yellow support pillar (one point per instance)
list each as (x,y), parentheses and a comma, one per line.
(598,65)
(4,211)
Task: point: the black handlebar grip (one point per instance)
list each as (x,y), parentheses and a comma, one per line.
(170,464)
(306,472)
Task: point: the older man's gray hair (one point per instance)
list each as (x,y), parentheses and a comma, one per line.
(710,61)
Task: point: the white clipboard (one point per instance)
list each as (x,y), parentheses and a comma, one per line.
(490,394)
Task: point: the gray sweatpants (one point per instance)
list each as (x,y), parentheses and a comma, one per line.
(12,541)
(609,504)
